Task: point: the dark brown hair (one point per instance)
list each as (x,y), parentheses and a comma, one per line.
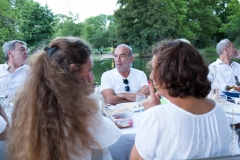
(180,69)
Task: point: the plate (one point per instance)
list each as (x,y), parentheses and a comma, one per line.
(130,105)
(231,94)
(232,108)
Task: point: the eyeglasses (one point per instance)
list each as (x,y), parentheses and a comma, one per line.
(127,88)
(237,82)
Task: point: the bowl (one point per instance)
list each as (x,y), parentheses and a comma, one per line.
(122,120)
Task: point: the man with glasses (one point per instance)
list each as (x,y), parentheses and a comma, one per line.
(123,83)
(224,72)
(13,71)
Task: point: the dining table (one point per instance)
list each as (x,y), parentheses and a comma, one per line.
(122,148)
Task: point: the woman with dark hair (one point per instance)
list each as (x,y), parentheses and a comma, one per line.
(190,126)
(54,116)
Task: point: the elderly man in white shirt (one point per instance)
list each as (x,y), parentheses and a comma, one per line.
(13,73)
(123,83)
(223,71)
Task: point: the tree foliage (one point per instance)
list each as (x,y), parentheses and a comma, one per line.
(67,25)
(25,20)
(99,31)
(36,23)
(142,23)
(231,28)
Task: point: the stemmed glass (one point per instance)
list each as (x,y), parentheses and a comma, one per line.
(139,99)
(7,104)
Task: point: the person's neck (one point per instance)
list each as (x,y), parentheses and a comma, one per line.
(125,73)
(193,105)
(13,67)
(225,59)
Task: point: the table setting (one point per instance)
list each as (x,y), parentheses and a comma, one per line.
(229,100)
(130,115)
(126,116)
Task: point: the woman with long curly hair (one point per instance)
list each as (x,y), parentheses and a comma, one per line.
(190,126)
(55,118)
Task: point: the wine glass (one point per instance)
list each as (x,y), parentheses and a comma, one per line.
(7,104)
(139,99)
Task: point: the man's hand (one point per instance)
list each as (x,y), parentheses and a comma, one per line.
(144,88)
(237,55)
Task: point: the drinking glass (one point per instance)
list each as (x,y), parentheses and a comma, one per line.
(214,94)
(139,99)
(222,99)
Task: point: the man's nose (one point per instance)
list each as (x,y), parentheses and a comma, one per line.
(118,58)
(27,51)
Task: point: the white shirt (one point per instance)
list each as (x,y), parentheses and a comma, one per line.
(225,73)
(104,132)
(212,73)
(113,80)
(3,124)
(169,132)
(11,82)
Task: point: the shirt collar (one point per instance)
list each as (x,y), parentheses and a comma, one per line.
(6,66)
(218,61)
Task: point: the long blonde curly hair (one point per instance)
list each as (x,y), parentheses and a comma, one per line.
(52,112)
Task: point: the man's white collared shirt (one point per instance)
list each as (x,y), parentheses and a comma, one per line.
(11,82)
(225,74)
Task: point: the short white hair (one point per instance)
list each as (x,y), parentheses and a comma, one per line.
(126,46)
(221,45)
(10,45)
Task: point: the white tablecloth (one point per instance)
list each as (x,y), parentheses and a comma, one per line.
(3,155)
(122,148)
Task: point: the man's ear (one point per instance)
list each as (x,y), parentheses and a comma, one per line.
(131,59)
(9,52)
(73,67)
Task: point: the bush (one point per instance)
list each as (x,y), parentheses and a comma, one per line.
(210,50)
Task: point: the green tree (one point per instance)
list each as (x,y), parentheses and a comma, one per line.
(142,23)
(112,38)
(202,20)
(36,23)
(9,18)
(231,28)
(96,31)
(67,25)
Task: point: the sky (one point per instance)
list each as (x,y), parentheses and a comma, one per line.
(85,8)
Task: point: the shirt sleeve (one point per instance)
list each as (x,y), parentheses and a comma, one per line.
(105,82)
(210,75)
(104,132)
(222,83)
(147,135)
(3,124)
(144,80)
